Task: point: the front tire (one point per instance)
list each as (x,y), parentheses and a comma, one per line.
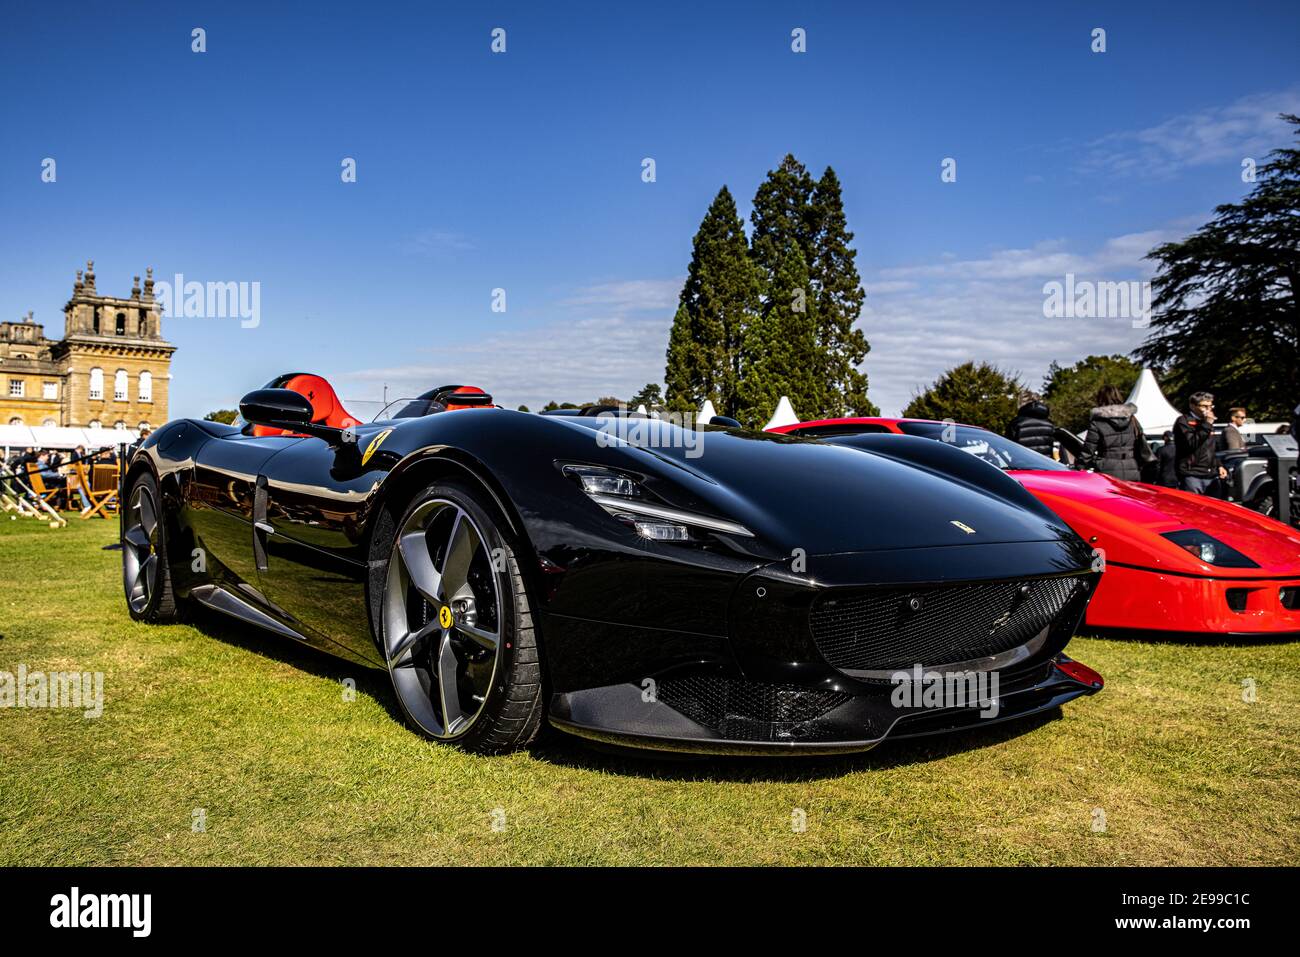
(455,624)
(146,576)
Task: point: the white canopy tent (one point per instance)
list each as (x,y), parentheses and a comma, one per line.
(784,414)
(1154,412)
(50,437)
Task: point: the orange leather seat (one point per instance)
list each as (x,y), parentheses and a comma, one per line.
(327,409)
(463,390)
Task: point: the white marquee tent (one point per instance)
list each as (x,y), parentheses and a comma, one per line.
(784,414)
(49,437)
(1154,413)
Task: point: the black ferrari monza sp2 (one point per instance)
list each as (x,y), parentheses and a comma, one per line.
(623,578)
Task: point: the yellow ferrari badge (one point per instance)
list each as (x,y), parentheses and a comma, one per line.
(375,443)
(444,616)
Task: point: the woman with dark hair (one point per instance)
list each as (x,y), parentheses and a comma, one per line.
(1115,445)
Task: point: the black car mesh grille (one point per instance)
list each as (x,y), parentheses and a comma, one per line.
(890,629)
(741,710)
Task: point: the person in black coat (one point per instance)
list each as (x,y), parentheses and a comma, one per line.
(1115,445)
(1167,456)
(1198,466)
(1032,427)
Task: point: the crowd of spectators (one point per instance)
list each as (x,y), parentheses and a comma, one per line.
(57,471)
(1116,445)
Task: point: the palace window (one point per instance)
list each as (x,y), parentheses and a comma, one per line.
(97,383)
(49,390)
(50,424)
(144,425)
(145,390)
(17,388)
(119,424)
(16,420)
(119,385)
(95,424)
(121,323)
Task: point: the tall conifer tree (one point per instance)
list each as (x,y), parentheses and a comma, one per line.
(783,217)
(791,210)
(838,290)
(780,347)
(717,301)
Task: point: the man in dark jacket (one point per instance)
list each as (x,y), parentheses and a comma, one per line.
(1194,442)
(1032,427)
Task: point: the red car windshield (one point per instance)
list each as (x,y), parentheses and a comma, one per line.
(994,449)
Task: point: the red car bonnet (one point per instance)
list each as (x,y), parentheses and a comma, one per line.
(1096,504)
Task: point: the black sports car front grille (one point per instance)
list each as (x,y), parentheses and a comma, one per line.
(739,710)
(896,628)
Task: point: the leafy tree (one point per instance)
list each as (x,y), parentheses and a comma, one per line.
(717,301)
(970,394)
(225,416)
(1225,311)
(553,405)
(1071,391)
(650,395)
(780,347)
(523,408)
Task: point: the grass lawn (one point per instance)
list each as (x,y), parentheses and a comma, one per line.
(257,732)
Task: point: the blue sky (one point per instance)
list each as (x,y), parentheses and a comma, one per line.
(522,171)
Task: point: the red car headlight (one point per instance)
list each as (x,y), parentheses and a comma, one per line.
(1209,549)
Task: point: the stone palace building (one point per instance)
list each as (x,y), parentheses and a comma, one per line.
(111,369)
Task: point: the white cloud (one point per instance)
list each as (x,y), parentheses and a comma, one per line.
(435,243)
(577,361)
(632,295)
(614,350)
(887,286)
(1247,127)
(990,309)
(1050,258)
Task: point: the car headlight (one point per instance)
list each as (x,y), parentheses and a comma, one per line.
(623,497)
(598,481)
(1209,549)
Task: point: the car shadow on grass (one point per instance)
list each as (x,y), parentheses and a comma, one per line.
(558,748)
(372,682)
(564,750)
